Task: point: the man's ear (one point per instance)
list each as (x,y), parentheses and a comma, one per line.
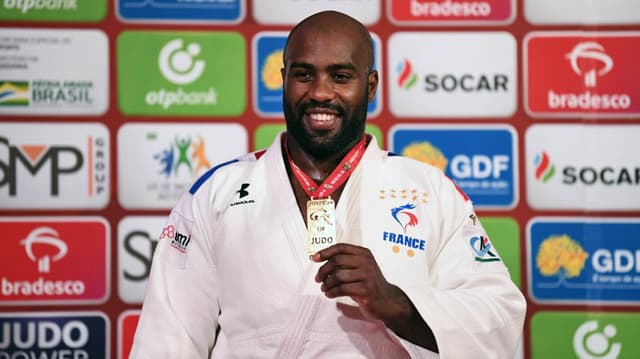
(372,84)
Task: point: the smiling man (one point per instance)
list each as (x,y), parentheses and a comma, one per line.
(290,251)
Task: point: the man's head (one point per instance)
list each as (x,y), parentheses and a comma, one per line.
(328,81)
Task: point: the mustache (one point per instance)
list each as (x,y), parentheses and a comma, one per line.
(323,105)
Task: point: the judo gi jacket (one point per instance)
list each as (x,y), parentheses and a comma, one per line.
(231,276)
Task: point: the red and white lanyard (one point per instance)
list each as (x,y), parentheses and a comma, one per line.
(336,179)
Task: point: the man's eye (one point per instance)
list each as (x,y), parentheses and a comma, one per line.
(340,77)
(302,75)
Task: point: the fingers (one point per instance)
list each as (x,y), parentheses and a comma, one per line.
(340,248)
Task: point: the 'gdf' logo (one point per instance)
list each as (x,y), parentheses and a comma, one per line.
(177,65)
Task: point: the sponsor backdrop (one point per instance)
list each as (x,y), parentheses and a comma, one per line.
(109,109)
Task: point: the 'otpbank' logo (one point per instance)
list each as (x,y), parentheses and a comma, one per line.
(584,260)
(186,73)
(570,74)
(463,12)
(50,165)
(54,335)
(48,260)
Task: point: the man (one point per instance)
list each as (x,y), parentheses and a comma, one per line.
(324,245)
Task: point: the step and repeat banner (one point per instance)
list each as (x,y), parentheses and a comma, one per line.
(109,109)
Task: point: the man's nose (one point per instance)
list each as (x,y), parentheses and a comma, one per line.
(322,89)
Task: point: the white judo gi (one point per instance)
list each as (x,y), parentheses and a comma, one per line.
(231,276)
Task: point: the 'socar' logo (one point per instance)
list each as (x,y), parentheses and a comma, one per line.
(544,169)
(406,76)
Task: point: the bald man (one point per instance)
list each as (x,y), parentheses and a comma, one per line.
(324,245)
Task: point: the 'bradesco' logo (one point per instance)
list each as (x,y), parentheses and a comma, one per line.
(187,73)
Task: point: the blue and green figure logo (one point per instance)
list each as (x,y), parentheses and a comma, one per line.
(585,335)
(14,93)
(181,73)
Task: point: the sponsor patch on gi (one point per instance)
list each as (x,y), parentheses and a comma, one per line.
(177,234)
(479,242)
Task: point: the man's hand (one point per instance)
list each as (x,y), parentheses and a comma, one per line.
(352,271)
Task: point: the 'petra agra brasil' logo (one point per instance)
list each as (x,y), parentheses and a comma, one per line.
(178,65)
(544,169)
(47,236)
(406,76)
(593,52)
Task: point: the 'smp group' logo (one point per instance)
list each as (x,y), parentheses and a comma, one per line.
(34,172)
(591,342)
(570,261)
(180,67)
(44,236)
(14,93)
(77,335)
(406,218)
(61,261)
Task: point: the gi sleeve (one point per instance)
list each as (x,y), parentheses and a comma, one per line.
(469,301)
(180,310)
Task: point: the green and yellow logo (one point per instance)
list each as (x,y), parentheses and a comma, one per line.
(181,73)
(14,93)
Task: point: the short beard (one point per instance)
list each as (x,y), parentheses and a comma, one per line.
(317,145)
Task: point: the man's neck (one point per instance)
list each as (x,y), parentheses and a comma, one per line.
(316,168)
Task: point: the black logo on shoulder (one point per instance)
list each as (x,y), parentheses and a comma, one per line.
(243,190)
(242,193)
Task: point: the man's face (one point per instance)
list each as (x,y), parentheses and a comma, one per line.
(327,86)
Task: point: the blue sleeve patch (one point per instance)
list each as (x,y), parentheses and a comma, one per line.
(194,188)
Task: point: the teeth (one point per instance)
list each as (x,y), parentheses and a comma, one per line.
(322,117)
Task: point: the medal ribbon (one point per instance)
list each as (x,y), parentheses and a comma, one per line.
(339,175)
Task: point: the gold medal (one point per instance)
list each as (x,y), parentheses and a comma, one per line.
(321,224)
